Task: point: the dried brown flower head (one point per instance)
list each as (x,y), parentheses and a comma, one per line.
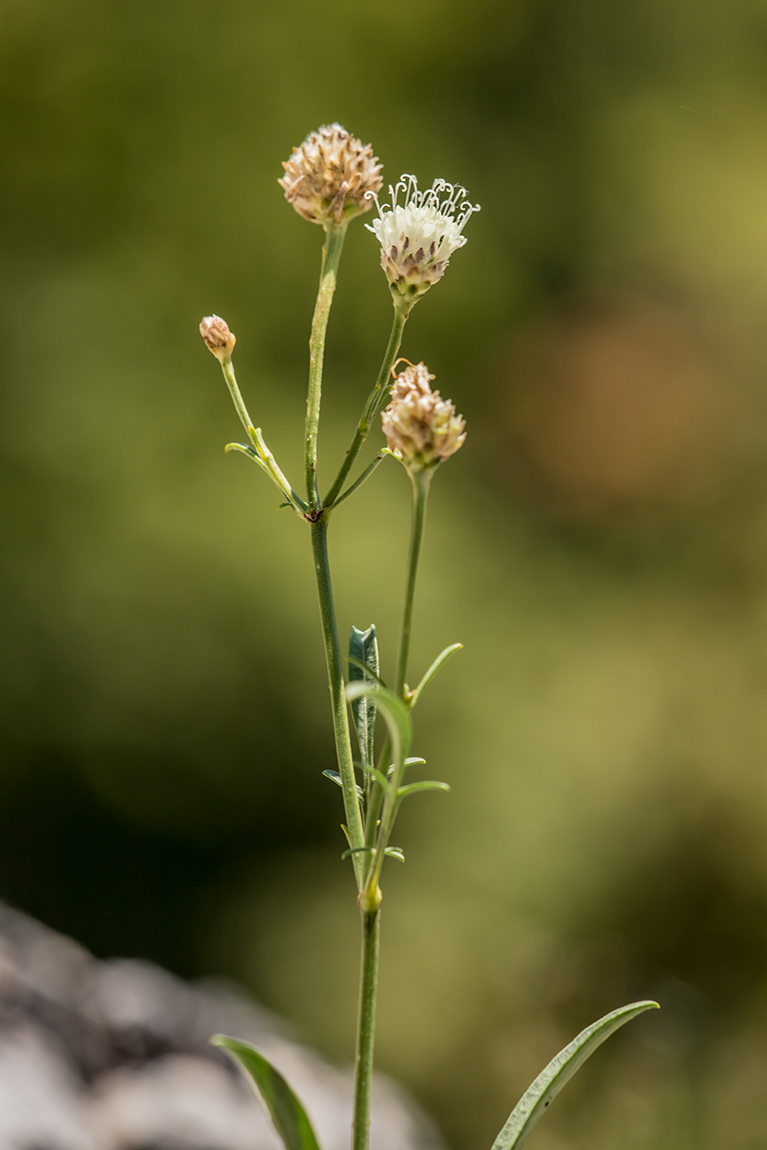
(421,427)
(218,338)
(328,177)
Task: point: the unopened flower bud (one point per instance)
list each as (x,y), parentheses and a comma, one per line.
(418,236)
(218,338)
(422,428)
(331,176)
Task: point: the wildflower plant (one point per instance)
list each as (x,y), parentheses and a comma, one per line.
(330,179)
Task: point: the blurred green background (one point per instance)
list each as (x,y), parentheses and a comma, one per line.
(600,544)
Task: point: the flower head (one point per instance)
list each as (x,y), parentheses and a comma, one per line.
(218,338)
(421,427)
(331,176)
(418,236)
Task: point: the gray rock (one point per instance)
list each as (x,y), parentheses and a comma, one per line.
(115,1056)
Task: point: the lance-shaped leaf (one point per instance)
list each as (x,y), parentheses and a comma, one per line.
(363,652)
(394,712)
(440,661)
(288,1115)
(560,1070)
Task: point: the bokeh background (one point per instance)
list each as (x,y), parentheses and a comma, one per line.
(600,544)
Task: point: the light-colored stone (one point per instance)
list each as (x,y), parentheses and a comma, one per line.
(115,1056)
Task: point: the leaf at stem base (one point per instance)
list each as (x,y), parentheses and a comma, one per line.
(560,1070)
(287,1113)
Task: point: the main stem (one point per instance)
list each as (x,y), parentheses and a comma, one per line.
(421,481)
(373,403)
(363,1063)
(331,254)
(341,731)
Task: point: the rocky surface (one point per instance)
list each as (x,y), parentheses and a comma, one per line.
(115,1056)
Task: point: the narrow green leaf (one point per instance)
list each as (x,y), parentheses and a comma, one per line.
(334,775)
(395,853)
(438,662)
(288,1115)
(374,773)
(414,762)
(559,1071)
(426,785)
(251,454)
(393,710)
(353,662)
(357,851)
(363,667)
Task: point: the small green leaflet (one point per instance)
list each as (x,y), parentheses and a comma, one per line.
(363,649)
(560,1070)
(288,1115)
(336,778)
(440,661)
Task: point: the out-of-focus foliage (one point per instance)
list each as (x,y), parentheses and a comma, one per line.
(600,544)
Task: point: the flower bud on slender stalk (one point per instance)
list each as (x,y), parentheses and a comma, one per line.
(218,338)
(418,236)
(422,428)
(330,178)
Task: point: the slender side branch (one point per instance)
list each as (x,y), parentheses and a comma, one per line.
(375,400)
(331,254)
(363,1063)
(358,482)
(231,382)
(262,452)
(341,731)
(421,480)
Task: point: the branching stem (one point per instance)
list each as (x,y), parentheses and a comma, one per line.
(375,400)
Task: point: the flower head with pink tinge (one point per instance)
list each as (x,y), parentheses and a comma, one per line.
(331,176)
(422,428)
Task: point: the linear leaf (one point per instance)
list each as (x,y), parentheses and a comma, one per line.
(393,710)
(426,785)
(247,451)
(363,667)
(379,776)
(438,662)
(559,1071)
(336,778)
(353,662)
(288,1115)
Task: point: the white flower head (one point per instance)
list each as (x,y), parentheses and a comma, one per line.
(419,235)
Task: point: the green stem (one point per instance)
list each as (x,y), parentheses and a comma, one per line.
(341,731)
(421,480)
(374,401)
(262,453)
(363,1064)
(239,403)
(331,254)
(373,811)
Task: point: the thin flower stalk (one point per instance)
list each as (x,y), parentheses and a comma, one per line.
(375,400)
(421,481)
(331,254)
